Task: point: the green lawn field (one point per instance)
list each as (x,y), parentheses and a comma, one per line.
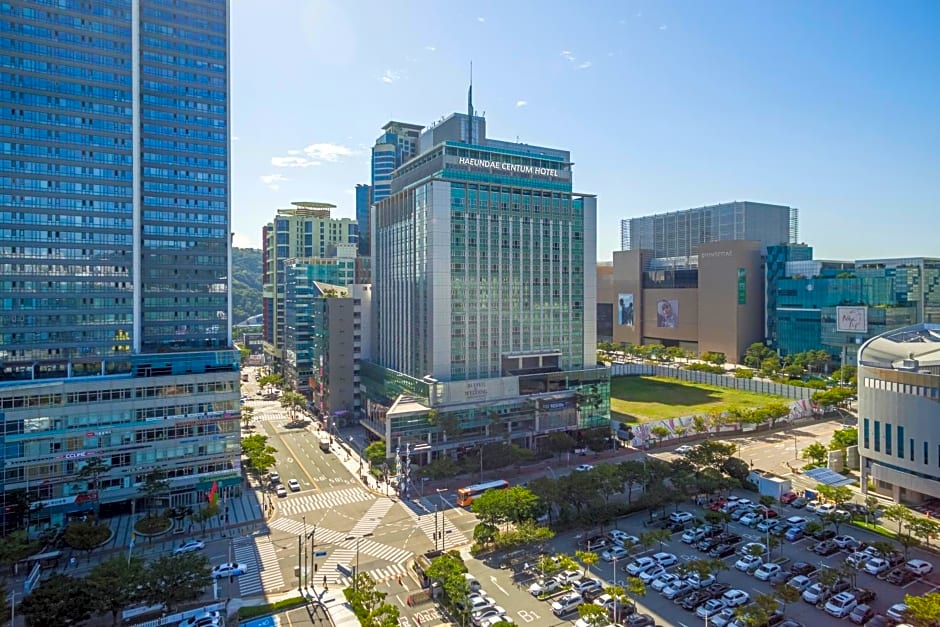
(648,399)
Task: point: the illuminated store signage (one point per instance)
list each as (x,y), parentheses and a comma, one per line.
(486,164)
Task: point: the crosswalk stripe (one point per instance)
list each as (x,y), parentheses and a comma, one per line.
(371,519)
(452,536)
(383,551)
(341,556)
(263,571)
(321,500)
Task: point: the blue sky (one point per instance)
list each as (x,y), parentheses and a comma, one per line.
(832,107)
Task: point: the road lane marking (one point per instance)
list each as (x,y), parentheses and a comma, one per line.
(302,469)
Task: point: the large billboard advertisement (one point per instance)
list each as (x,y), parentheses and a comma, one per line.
(852,319)
(625,313)
(667,314)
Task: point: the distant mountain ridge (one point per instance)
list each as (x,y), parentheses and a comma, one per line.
(246,283)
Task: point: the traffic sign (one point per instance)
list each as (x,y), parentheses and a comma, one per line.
(320,554)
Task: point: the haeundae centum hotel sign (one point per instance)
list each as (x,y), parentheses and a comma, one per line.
(507,167)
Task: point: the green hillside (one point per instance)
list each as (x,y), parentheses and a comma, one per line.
(246,283)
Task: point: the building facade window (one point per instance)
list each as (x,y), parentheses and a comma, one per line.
(866,442)
(877,436)
(888,441)
(901,444)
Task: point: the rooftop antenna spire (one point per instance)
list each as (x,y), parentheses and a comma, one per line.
(470,138)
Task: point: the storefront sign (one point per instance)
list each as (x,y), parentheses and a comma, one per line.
(486,164)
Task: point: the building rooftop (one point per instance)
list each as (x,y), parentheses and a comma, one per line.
(912,348)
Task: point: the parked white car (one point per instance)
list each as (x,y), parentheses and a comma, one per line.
(640,564)
(841,605)
(666,559)
(735,597)
(614,553)
(749,563)
(919,567)
(765,571)
(663,580)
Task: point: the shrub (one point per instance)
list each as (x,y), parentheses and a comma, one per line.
(253,611)
(152,524)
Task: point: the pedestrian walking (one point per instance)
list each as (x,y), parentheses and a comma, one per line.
(399,580)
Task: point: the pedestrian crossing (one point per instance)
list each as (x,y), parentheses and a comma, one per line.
(263,571)
(371,519)
(426,523)
(302,503)
(296,527)
(348,560)
(339,557)
(383,551)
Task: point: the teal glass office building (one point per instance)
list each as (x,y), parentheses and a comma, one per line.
(115,333)
(811,299)
(484,296)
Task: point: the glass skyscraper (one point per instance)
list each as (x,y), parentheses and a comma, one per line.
(115,250)
(487,257)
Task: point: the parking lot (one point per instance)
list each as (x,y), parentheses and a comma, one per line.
(509,586)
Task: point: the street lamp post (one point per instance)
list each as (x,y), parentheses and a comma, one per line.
(356,572)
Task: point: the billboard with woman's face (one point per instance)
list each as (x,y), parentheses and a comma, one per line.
(667,314)
(625,310)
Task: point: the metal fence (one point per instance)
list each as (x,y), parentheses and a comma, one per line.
(758,386)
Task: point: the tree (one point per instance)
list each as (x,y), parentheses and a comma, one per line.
(92,470)
(736,468)
(498,507)
(635,588)
(649,538)
(758,611)
(871,506)
(376,453)
(588,558)
(271,380)
(292,402)
(549,494)
(155,484)
(248,414)
(816,453)
(259,453)
(85,535)
(204,515)
(174,579)
(449,570)
(843,439)
(59,600)
(924,529)
(594,615)
(786,594)
(368,603)
(710,453)
(113,584)
(659,432)
(16,546)
(524,533)
(558,443)
(899,514)
(923,610)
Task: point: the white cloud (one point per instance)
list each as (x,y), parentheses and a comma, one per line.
(430,48)
(663,27)
(568,55)
(242,241)
(390,76)
(521,103)
(313,155)
(481,19)
(273,181)
(585,65)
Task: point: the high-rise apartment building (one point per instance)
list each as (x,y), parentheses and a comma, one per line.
(115,254)
(483,297)
(397,144)
(678,234)
(305,231)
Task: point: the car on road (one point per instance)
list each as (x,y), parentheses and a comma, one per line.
(800,583)
(640,564)
(280,490)
(876,566)
(676,589)
(202,619)
(294,485)
(614,553)
(567,577)
(189,546)
(764,571)
(696,581)
(660,583)
(788,497)
(709,608)
(587,585)
(584,467)
(749,563)
(793,534)
(685,449)
(900,577)
(722,550)
(567,604)
(846,542)
(229,570)
(735,597)
(861,614)
(650,574)
(897,611)
(666,559)
(547,586)
(919,567)
(681,517)
(274,477)
(825,548)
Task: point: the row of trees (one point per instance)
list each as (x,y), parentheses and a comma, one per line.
(259,454)
(817,452)
(114,585)
(715,420)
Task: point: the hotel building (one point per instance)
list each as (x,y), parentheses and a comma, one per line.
(483,297)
